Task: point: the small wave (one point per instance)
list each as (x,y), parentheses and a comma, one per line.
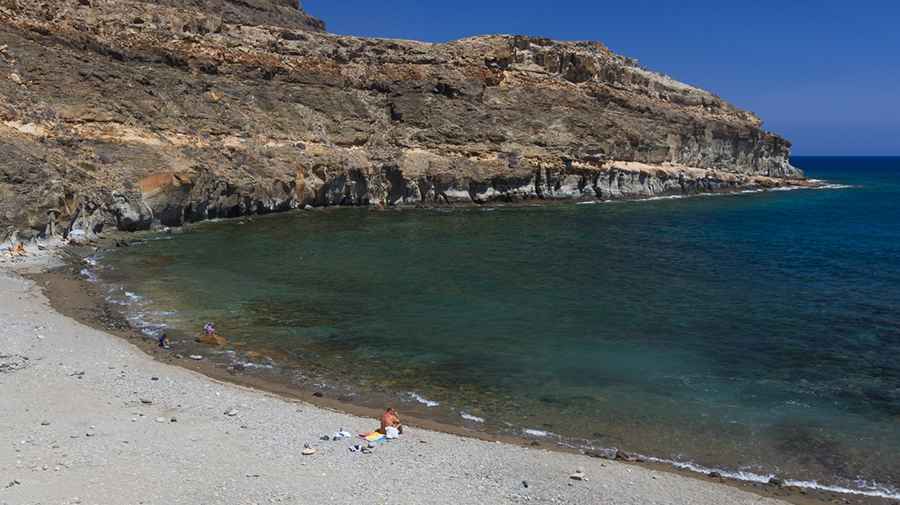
(873,489)
(91,260)
(148,328)
(428,403)
(471,417)
(535,433)
(726,193)
(250,366)
(89,276)
(829,185)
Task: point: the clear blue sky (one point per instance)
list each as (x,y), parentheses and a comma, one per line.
(823,74)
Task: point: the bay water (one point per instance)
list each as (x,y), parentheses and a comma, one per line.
(757,334)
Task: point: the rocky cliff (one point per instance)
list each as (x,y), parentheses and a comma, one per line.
(126,114)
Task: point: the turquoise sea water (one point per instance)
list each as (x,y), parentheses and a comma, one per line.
(757,333)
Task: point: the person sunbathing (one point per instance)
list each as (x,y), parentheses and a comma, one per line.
(390,418)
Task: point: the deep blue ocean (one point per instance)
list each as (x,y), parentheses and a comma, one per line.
(755,333)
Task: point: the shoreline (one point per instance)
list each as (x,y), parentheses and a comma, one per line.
(71,296)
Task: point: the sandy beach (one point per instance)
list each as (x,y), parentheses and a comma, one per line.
(89,418)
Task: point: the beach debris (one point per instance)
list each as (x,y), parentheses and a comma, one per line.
(12,366)
(252,475)
(340,434)
(578,476)
(309,451)
(624,456)
(195,356)
(230,411)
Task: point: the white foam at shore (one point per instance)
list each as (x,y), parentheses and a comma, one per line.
(824,185)
(428,403)
(873,488)
(471,417)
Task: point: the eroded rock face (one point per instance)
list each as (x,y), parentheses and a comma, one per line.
(134,114)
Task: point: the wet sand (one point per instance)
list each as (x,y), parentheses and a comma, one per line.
(72,297)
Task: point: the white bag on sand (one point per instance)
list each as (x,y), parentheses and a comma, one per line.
(391,432)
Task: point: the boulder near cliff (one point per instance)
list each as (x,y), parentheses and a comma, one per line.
(129,114)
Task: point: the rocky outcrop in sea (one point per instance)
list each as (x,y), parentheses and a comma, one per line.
(128,115)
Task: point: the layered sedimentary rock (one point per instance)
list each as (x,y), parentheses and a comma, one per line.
(128,115)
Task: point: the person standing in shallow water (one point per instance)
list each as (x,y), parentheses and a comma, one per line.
(390,418)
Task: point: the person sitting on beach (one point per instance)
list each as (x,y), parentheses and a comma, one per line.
(390,418)
(209,329)
(164,341)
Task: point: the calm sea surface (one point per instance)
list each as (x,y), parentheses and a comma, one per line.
(755,333)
